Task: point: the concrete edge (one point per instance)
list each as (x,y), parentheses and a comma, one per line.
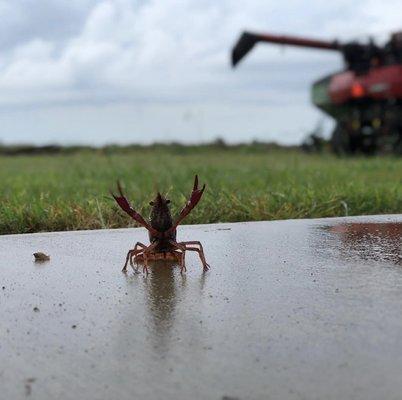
(330,220)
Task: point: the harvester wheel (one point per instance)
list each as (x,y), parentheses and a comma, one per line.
(398,145)
(340,141)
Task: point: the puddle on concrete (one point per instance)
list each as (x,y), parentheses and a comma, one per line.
(380,242)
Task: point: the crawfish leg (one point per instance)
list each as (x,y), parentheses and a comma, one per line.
(183,262)
(127,260)
(199,250)
(182,248)
(136,252)
(145,252)
(133,253)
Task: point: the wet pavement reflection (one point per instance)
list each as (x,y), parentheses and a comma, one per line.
(163,288)
(290,309)
(380,242)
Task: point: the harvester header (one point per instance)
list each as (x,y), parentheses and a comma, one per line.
(248,39)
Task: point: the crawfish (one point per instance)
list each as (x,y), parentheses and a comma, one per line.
(162,231)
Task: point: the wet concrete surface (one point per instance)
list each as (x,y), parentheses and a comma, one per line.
(289,310)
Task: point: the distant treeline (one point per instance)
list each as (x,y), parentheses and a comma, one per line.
(177,148)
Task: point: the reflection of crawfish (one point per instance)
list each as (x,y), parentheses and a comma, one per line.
(162,231)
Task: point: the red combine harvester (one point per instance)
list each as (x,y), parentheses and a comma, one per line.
(365,99)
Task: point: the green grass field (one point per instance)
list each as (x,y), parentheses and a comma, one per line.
(68,192)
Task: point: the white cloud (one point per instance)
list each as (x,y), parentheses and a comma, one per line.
(147,52)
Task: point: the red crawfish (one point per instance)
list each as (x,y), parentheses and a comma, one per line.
(162,231)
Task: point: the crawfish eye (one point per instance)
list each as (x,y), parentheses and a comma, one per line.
(151,203)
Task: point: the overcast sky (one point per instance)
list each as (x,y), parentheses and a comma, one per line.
(140,71)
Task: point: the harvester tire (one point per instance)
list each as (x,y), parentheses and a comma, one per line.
(340,141)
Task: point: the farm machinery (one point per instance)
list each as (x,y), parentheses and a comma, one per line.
(364,99)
